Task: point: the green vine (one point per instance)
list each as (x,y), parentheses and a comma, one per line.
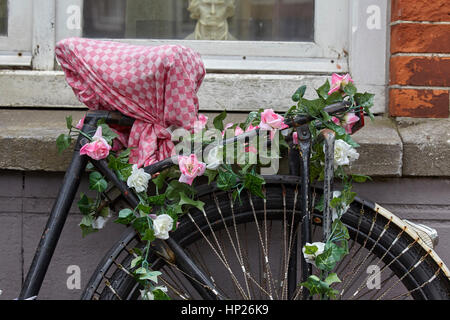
(172,194)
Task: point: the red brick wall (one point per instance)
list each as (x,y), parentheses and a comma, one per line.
(420,59)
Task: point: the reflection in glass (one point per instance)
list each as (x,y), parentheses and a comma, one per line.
(3,17)
(253,20)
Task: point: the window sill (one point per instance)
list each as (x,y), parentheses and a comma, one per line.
(406,148)
(219,91)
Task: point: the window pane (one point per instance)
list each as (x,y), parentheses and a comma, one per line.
(254,20)
(3,17)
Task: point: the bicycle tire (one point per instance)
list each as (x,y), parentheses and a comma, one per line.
(425,280)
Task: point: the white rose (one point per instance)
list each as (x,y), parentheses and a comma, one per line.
(100,222)
(214,158)
(339,211)
(311,258)
(162,225)
(343,153)
(138,179)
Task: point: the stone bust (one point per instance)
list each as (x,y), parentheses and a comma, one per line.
(211,16)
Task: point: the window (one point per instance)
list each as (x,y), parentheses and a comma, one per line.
(226,20)
(244,35)
(3,17)
(15,32)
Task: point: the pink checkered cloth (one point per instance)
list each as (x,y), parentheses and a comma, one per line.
(155,85)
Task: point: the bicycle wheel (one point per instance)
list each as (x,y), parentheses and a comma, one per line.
(245,248)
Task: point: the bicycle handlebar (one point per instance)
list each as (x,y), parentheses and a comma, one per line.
(331,109)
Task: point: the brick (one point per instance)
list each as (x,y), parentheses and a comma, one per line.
(420,10)
(420,38)
(419,103)
(420,71)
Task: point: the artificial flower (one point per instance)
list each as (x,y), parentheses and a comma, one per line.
(338,82)
(97,149)
(138,179)
(162,225)
(336,213)
(311,257)
(343,153)
(190,168)
(80,123)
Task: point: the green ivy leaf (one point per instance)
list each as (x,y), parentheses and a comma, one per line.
(69,122)
(364,100)
(218,120)
(159,180)
(126,216)
(160,295)
(299,93)
(175,188)
(254,184)
(86,225)
(323,90)
(350,89)
(334,98)
(360,178)
(151,275)
(312,107)
(251,118)
(149,235)
(211,174)
(144,209)
(310,249)
(184,199)
(332,278)
(336,128)
(331,255)
(136,261)
(107,133)
(157,200)
(84,204)
(141,225)
(320,205)
(96,182)
(63,142)
(226,180)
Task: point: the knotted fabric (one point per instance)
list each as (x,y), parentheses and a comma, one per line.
(155,85)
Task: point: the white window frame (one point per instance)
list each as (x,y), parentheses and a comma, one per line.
(15,47)
(326,54)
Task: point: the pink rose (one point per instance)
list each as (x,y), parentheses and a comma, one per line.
(190,168)
(336,120)
(251,127)
(238,130)
(270,120)
(349,120)
(337,82)
(200,124)
(97,149)
(80,123)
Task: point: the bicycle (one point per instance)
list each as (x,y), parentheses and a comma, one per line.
(377,236)
(251,249)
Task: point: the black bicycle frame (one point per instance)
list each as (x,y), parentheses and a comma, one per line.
(298,165)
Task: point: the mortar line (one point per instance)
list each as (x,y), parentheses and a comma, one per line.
(394,23)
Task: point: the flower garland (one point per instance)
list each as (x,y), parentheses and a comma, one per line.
(157,216)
